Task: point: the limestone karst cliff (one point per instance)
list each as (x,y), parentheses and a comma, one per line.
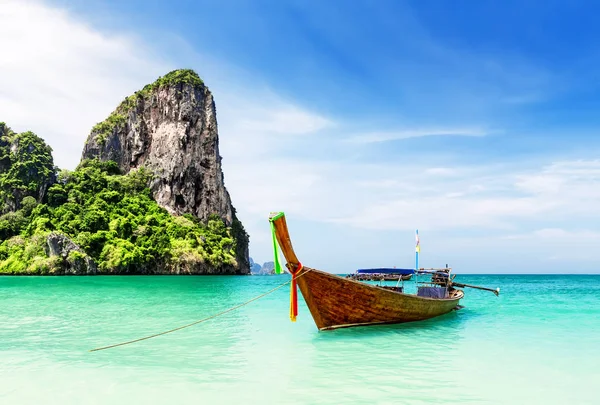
(170,128)
(147,198)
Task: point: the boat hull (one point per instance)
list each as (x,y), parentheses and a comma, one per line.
(337,302)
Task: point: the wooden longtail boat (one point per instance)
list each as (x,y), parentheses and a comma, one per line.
(337,302)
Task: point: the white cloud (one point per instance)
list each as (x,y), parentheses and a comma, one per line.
(453,210)
(441,171)
(399,197)
(572,249)
(558,192)
(285,119)
(573,186)
(254,124)
(375,137)
(562,176)
(59,76)
(558,234)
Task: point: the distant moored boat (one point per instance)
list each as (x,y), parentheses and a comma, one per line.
(382,274)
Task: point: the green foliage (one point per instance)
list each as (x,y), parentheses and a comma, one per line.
(28,204)
(20,255)
(114,219)
(5,135)
(11,223)
(26,167)
(173,78)
(108,126)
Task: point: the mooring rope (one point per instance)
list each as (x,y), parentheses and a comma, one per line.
(201,320)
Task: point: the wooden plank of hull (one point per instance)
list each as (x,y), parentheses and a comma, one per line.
(336,302)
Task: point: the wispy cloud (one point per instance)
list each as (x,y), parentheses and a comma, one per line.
(558,234)
(283,120)
(442,171)
(574,186)
(255,124)
(553,193)
(59,76)
(404,197)
(376,137)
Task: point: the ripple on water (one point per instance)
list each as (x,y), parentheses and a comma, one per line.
(520,340)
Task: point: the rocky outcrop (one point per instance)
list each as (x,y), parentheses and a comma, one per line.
(254,267)
(170,128)
(266,269)
(71,259)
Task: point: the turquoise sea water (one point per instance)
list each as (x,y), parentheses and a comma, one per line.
(539,342)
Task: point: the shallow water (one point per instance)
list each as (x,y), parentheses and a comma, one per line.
(539,342)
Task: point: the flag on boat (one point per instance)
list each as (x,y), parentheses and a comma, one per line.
(418,246)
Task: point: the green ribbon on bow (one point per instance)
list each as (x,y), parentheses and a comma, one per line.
(275,250)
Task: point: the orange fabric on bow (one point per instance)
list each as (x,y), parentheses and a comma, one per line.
(294,293)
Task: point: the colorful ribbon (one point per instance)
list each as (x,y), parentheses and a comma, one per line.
(275,252)
(294,273)
(294,293)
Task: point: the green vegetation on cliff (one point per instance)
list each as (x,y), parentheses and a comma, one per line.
(179,76)
(111,217)
(26,167)
(119,116)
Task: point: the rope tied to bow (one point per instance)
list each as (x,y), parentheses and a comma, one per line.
(296,276)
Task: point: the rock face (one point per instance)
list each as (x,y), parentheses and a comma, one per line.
(170,128)
(268,268)
(71,258)
(254,267)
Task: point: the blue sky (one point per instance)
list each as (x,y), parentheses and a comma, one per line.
(475,122)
